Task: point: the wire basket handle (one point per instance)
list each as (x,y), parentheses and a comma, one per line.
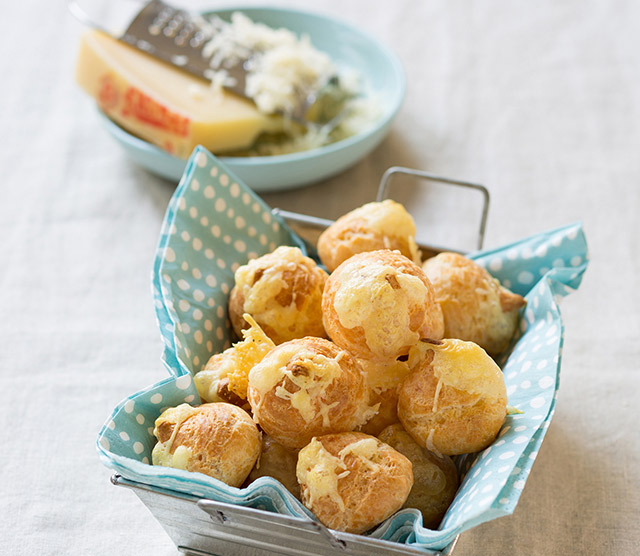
(385,182)
(317,223)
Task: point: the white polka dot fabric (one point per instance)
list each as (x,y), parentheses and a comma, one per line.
(215,223)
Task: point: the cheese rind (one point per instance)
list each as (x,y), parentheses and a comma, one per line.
(163,105)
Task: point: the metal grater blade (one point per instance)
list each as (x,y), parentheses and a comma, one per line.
(176,36)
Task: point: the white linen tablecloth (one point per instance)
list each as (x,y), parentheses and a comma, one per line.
(539,101)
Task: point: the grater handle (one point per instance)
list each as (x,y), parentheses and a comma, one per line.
(110,17)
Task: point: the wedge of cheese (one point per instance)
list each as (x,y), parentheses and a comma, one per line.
(164,105)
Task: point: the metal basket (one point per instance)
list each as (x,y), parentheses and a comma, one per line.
(202,527)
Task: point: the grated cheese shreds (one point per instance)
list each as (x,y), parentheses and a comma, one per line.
(280,66)
(282,69)
(234,364)
(248,353)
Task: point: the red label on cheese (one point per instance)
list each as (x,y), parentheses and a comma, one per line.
(143,108)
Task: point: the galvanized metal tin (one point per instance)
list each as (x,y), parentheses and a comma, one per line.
(201,527)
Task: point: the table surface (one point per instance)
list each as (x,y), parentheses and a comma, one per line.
(539,101)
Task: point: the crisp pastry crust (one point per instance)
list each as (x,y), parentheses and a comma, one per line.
(278,462)
(384,375)
(474,304)
(282,291)
(217,439)
(455,399)
(371,227)
(378,304)
(435,477)
(386,414)
(384,379)
(352,481)
(305,388)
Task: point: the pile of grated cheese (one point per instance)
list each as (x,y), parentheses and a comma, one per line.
(283,69)
(280,65)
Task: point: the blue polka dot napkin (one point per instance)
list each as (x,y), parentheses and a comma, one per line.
(215,223)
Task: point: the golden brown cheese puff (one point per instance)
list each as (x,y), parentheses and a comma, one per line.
(282,291)
(352,481)
(455,399)
(378,304)
(217,439)
(307,387)
(474,304)
(374,226)
(435,477)
(278,462)
(384,379)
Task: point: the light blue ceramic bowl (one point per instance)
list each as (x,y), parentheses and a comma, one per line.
(349,47)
